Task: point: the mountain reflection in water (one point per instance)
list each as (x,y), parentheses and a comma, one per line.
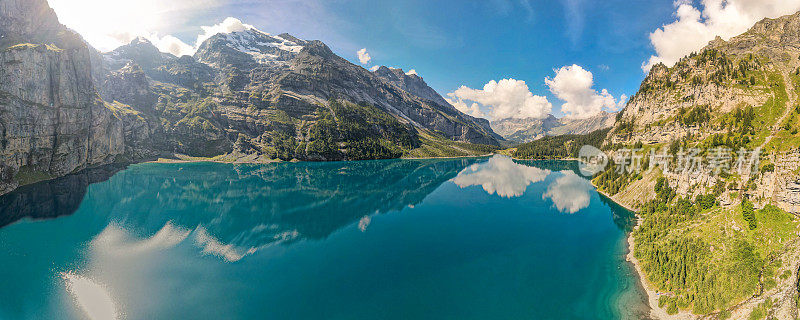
(251,206)
(241,241)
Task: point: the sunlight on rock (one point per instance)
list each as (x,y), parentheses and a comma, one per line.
(93,298)
(500,175)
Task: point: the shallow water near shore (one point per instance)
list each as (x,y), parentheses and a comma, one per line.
(473,238)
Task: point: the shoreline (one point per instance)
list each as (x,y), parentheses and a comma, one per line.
(656,312)
(268,161)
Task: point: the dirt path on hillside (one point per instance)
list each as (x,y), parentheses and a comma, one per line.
(790,102)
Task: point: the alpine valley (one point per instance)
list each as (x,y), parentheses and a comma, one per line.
(690,243)
(245,96)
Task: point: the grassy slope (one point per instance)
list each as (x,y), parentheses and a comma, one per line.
(712,261)
(436,146)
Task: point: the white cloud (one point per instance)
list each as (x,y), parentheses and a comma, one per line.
(569,193)
(171,45)
(695,27)
(472,109)
(177,47)
(108,24)
(507,98)
(412,72)
(500,175)
(230,24)
(374,68)
(363,56)
(573,85)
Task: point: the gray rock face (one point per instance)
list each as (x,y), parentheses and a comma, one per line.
(31,21)
(248,72)
(51,119)
(53,122)
(130,86)
(525,130)
(410,83)
(184,71)
(248,49)
(530,129)
(140,50)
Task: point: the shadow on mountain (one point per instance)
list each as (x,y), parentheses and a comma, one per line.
(52,198)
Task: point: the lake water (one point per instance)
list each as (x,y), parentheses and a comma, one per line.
(486,238)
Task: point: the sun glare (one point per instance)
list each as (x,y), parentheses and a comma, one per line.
(107,24)
(95,300)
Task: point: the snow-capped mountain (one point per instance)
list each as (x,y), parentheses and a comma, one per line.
(249,47)
(530,129)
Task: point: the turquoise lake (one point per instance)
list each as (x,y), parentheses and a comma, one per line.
(484,238)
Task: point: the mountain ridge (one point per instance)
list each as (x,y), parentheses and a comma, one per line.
(530,129)
(246,95)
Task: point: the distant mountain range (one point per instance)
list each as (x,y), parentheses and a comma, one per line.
(525,130)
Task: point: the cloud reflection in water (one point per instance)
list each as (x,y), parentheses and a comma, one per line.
(93,298)
(500,175)
(569,193)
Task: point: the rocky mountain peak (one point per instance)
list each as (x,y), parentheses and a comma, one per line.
(318,48)
(139,50)
(33,21)
(249,48)
(530,129)
(411,83)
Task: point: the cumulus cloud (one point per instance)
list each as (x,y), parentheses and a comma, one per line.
(573,85)
(695,26)
(374,68)
(230,24)
(175,46)
(569,193)
(412,72)
(171,44)
(500,175)
(363,56)
(469,109)
(507,98)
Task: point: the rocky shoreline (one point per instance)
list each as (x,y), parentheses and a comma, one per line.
(652,294)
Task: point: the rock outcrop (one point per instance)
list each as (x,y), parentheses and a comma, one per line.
(52,120)
(411,83)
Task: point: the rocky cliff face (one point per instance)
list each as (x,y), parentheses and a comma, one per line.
(31,21)
(410,83)
(245,93)
(530,129)
(249,92)
(735,94)
(51,119)
(731,95)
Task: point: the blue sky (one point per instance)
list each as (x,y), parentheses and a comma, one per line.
(584,47)
(455,43)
